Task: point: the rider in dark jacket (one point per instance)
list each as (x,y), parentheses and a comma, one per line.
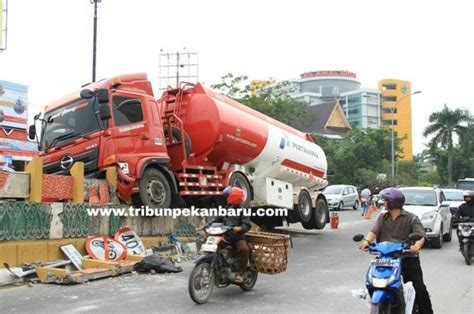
(466,209)
(240,225)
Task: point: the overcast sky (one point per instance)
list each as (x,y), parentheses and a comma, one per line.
(429,43)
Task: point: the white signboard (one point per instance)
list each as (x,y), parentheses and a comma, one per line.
(73,254)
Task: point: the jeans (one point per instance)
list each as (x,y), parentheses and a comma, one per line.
(411,271)
(365,207)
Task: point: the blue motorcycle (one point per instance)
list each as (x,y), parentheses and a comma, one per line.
(384,280)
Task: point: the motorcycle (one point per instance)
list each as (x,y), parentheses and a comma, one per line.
(384,280)
(466,239)
(217,267)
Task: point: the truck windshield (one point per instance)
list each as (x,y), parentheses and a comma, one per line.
(69,122)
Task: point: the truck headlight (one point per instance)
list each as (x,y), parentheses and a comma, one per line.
(429,215)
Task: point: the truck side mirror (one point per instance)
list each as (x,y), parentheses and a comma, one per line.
(103,95)
(32,132)
(86,93)
(104,112)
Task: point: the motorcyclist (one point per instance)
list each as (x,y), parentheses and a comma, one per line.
(395,226)
(465,212)
(240,225)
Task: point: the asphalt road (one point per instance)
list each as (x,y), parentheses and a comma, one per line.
(324,266)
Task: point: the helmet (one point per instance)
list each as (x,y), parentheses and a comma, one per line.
(393,197)
(233,195)
(469,197)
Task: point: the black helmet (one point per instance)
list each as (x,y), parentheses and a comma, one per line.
(469,197)
(393,197)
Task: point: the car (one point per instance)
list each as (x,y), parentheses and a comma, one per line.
(430,206)
(342,196)
(465,184)
(454,197)
(7,169)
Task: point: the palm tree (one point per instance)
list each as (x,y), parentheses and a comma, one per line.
(443,124)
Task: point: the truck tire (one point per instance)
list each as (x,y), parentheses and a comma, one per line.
(319,217)
(304,208)
(239,180)
(176,134)
(155,190)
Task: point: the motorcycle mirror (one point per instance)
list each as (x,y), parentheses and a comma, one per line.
(358,237)
(37,116)
(415,237)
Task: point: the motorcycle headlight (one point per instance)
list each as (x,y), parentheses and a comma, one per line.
(393,276)
(466,233)
(380,282)
(429,215)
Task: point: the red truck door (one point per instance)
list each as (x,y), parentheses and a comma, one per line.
(130,130)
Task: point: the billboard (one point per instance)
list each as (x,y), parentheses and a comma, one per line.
(13,105)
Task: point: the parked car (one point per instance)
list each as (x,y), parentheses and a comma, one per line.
(454,198)
(342,196)
(430,206)
(7,169)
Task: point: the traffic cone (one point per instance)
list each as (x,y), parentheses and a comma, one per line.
(372,209)
(368,215)
(334,221)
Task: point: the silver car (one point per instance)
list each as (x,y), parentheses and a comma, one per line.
(342,196)
(430,206)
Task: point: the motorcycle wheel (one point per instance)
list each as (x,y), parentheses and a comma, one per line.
(467,253)
(250,279)
(201,283)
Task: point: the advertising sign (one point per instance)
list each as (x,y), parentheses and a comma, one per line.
(13,105)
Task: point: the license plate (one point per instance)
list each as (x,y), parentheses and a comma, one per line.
(384,262)
(209,248)
(211,240)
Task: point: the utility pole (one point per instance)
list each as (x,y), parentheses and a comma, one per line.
(94,2)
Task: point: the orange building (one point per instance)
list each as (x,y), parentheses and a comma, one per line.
(396,97)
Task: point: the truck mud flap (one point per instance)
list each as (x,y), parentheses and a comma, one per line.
(124,185)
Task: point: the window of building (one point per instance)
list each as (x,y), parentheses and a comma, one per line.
(389,86)
(389,122)
(389,110)
(127,110)
(390,98)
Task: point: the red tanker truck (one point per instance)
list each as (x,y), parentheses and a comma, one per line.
(184,148)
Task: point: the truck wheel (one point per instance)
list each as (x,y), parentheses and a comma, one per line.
(176,134)
(304,208)
(155,190)
(321,214)
(240,181)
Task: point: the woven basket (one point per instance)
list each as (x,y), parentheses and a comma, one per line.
(269,251)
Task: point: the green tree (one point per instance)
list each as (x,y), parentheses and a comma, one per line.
(443,125)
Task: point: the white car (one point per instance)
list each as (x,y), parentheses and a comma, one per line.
(342,196)
(430,206)
(454,198)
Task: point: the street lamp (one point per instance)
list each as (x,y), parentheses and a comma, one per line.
(94,2)
(392,111)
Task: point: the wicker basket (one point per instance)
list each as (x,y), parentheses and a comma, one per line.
(269,251)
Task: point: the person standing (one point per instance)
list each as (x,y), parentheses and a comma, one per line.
(364,199)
